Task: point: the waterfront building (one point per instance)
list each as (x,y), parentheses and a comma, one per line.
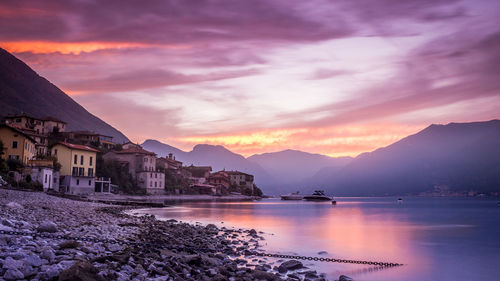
(241,179)
(220,179)
(17,144)
(77,167)
(169,163)
(141,165)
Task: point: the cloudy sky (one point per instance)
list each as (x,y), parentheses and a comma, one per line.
(333,77)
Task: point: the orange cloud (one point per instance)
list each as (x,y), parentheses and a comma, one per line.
(345,140)
(46,47)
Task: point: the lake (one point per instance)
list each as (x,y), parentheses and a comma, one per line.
(436,238)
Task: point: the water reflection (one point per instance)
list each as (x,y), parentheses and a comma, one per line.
(430,237)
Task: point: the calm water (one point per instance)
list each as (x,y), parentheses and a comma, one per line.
(436,238)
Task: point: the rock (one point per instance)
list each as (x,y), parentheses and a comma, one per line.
(13,274)
(47,226)
(5,228)
(262,275)
(7,222)
(33,260)
(252,232)
(293,276)
(48,254)
(10,263)
(80,271)
(322,253)
(290,265)
(28,270)
(345,278)
(14,205)
(70,244)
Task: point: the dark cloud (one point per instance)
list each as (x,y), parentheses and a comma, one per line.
(147,78)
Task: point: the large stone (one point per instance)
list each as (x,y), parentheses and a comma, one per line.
(5,228)
(345,278)
(33,260)
(262,275)
(80,271)
(14,205)
(48,254)
(290,265)
(10,263)
(47,226)
(13,274)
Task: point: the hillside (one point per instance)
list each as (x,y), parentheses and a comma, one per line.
(456,157)
(23,90)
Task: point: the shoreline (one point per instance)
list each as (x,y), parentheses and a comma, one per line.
(190,252)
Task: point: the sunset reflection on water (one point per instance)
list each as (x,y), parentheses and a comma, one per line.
(359,229)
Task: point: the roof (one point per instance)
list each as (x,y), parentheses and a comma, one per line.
(50,118)
(236,173)
(18,131)
(134,150)
(77,146)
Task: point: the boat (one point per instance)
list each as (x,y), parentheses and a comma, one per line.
(318,195)
(292,196)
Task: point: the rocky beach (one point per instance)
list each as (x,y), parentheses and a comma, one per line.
(120,246)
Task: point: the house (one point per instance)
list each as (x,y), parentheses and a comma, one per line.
(41,126)
(142,166)
(52,125)
(77,167)
(199,174)
(42,171)
(240,179)
(169,163)
(220,178)
(17,144)
(37,128)
(89,138)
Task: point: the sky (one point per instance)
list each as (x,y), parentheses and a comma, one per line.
(331,77)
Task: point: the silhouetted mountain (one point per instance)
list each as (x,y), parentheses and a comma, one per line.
(162,149)
(293,166)
(219,158)
(275,173)
(455,157)
(23,90)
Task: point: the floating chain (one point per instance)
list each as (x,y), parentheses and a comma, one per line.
(171,247)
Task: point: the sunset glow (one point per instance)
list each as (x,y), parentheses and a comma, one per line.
(336,78)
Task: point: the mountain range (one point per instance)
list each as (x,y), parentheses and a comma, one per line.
(23,90)
(456,157)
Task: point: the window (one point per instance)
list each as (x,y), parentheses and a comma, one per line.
(159,184)
(77,182)
(151,184)
(90,182)
(74,172)
(81,171)
(55,152)
(45,178)
(14,144)
(75,159)
(156,175)
(145,160)
(155,184)
(81,160)
(91,172)
(90,161)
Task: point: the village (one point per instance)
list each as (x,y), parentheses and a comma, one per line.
(39,153)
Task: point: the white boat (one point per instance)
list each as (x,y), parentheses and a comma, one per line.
(292,196)
(318,195)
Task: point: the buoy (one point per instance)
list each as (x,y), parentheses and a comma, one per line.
(334,202)
(400,200)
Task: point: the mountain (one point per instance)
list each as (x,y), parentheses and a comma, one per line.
(456,157)
(275,173)
(295,166)
(219,158)
(23,90)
